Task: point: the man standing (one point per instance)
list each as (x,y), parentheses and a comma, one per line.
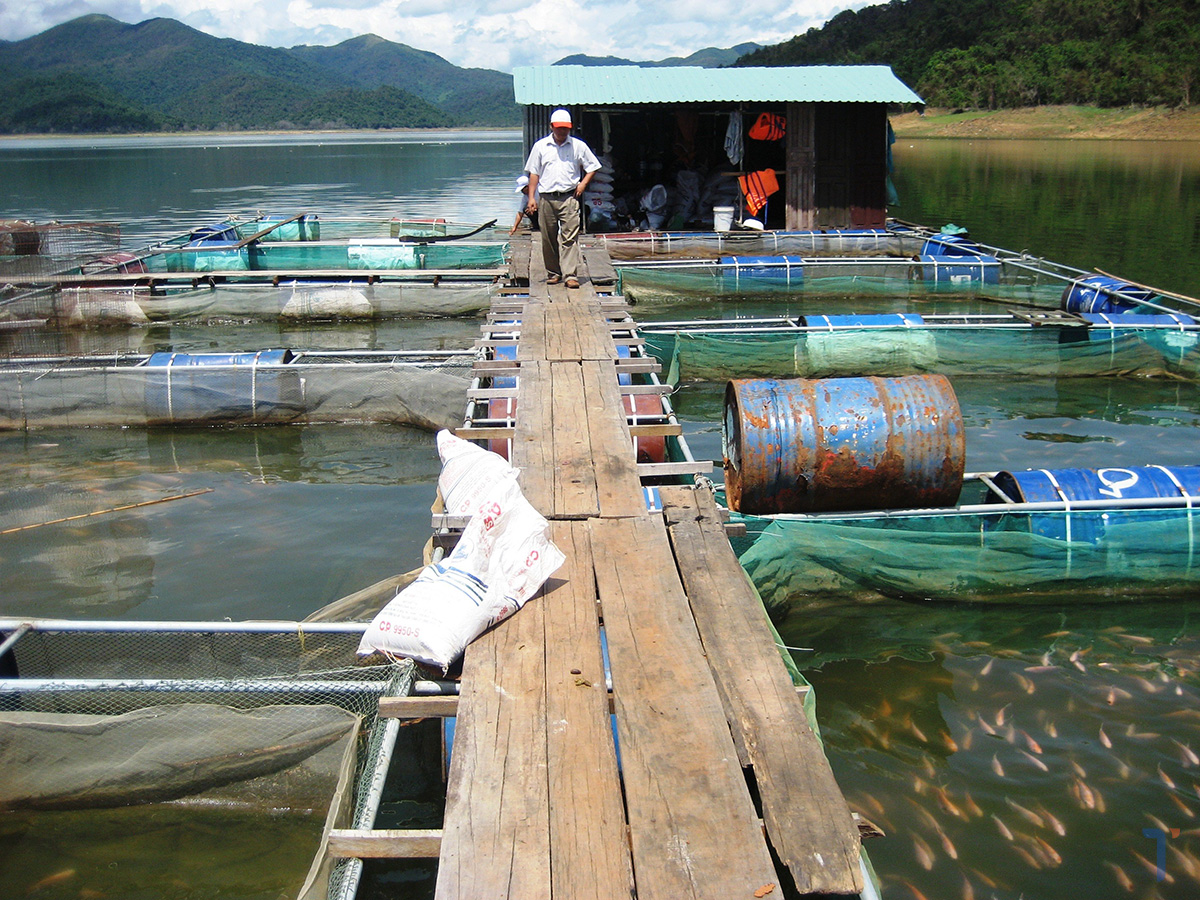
(560,168)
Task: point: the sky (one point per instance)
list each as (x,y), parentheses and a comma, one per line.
(497,34)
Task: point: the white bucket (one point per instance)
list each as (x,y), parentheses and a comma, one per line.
(722,218)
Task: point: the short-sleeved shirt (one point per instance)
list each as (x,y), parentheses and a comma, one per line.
(560,167)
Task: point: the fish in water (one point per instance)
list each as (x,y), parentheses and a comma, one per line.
(51,880)
(1027,814)
(924,853)
(1123,879)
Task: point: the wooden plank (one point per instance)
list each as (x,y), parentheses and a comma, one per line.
(496,828)
(699,467)
(533,332)
(806,816)
(504,432)
(574,470)
(385,843)
(531,453)
(590,847)
(562,333)
(521,253)
(418,707)
(599,266)
(618,488)
(638,365)
(693,827)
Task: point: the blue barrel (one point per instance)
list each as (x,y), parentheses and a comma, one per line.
(1094,294)
(1072,485)
(960,270)
(221,233)
(909,320)
(810,445)
(787,269)
(951,245)
(195,388)
(1109,326)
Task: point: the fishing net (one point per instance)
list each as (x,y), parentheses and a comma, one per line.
(299,389)
(672,244)
(694,355)
(290,256)
(1035,557)
(298,301)
(258,736)
(891,283)
(29,249)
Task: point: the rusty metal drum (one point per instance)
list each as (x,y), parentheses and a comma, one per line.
(818,445)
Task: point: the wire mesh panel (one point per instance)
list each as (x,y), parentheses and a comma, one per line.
(255,732)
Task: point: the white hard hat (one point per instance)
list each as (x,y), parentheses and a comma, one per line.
(560,117)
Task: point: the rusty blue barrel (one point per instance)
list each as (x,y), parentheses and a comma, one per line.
(815,445)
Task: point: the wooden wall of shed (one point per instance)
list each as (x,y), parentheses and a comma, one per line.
(851,165)
(799,183)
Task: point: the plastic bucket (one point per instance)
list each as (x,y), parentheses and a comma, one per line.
(722,218)
(808,445)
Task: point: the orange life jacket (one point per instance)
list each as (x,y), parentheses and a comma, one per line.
(758,186)
(769,127)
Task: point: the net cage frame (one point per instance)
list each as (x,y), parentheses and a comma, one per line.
(84,666)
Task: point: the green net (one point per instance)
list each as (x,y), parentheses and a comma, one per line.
(382,254)
(1027,351)
(1041,557)
(875,287)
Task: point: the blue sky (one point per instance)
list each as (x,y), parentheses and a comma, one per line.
(498,34)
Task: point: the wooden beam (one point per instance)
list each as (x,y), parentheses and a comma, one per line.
(384,843)
(496,826)
(806,815)
(590,858)
(418,707)
(693,827)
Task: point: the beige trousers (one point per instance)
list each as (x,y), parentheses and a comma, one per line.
(558,220)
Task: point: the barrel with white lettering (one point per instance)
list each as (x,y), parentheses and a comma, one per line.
(1115,484)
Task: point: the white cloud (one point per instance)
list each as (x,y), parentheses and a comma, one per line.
(493,35)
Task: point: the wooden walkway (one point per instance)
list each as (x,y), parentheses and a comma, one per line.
(716,786)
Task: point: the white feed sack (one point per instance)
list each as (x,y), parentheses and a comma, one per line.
(502,559)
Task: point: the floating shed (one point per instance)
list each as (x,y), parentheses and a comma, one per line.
(831,163)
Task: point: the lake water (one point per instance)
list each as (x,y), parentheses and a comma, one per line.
(1006,752)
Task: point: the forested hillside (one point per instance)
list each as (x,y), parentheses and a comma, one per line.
(1008,53)
(95,74)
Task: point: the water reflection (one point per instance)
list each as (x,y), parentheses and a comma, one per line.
(1131,208)
(279,498)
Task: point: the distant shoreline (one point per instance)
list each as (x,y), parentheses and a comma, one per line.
(1029,123)
(1053,123)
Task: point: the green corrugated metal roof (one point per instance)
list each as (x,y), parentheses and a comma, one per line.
(599,85)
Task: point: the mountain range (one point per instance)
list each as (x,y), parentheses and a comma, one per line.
(97,74)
